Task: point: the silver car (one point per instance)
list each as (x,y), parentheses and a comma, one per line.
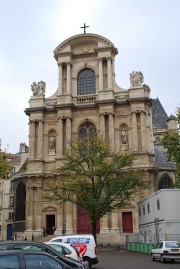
(166,250)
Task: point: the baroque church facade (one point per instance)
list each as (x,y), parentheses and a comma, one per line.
(87,99)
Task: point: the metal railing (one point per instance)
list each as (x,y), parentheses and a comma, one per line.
(152,238)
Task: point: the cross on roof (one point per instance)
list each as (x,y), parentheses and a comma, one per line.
(85,26)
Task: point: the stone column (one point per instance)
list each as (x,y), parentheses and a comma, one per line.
(100,75)
(102,125)
(38,209)
(104,223)
(68,77)
(31,139)
(60,138)
(113,69)
(30,207)
(115,220)
(134,132)
(144,137)
(111,130)
(69,217)
(60,79)
(40,139)
(68,133)
(59,225)
(109,68)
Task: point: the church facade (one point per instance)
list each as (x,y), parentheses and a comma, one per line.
(87,98)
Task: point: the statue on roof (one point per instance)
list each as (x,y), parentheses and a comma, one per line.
(136,78)
(38,89)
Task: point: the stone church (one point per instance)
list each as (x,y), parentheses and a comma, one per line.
(87,98)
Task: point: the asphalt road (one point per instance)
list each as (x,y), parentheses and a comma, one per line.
(120,259)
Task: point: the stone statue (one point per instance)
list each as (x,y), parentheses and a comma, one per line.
(136,79)
(52,142)
(146,87)
(38,89)
(123,137)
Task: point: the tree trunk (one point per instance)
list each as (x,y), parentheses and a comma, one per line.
(94,230)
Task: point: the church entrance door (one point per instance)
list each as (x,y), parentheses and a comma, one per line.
(83,223)
(50,224)
(127,222)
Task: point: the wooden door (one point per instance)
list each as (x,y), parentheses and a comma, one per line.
(127,222)
(83,223)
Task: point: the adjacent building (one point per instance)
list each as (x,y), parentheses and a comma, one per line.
(7,193)
(159,217)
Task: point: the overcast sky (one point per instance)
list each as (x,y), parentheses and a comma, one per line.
(146,34)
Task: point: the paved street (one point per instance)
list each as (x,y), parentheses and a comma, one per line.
(128,260)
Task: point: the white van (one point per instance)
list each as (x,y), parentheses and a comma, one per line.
(84,242)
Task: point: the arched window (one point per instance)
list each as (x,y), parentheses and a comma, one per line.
(86,82)
(87,130)
(165,182)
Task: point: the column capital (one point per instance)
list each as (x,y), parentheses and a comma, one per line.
(142,112)
(65,117)
(60,64)
(109,58)
(68,63)
(69,117)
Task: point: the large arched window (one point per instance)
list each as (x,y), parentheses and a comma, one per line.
(87,130)
(165,182)
(86,82)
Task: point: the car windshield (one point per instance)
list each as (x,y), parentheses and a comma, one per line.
(172,244)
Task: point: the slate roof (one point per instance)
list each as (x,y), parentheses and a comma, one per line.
(159,116)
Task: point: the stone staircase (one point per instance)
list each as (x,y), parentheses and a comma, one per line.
(42,238)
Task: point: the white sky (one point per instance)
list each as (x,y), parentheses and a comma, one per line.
(146,34)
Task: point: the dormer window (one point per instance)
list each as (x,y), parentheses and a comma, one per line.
(86,82)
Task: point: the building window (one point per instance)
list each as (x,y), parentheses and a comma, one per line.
(11,185)
(87,130)
(11,215)
(144,210)
(86,82)
(13,170)
(139,211)
(165,182)
(148,208)
(11,201)
(158,204)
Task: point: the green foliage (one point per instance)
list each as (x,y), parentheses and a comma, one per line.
(5,167)
(95,178)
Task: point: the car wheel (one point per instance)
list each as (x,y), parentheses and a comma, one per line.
(152,257)
(162,258)
(87,262)
(172,260)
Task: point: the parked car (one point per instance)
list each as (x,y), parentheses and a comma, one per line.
(24,259)
(66,249)
(85,243)
(166,250)
(39,246)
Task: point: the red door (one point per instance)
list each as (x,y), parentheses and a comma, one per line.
(127,222)
(83,223)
